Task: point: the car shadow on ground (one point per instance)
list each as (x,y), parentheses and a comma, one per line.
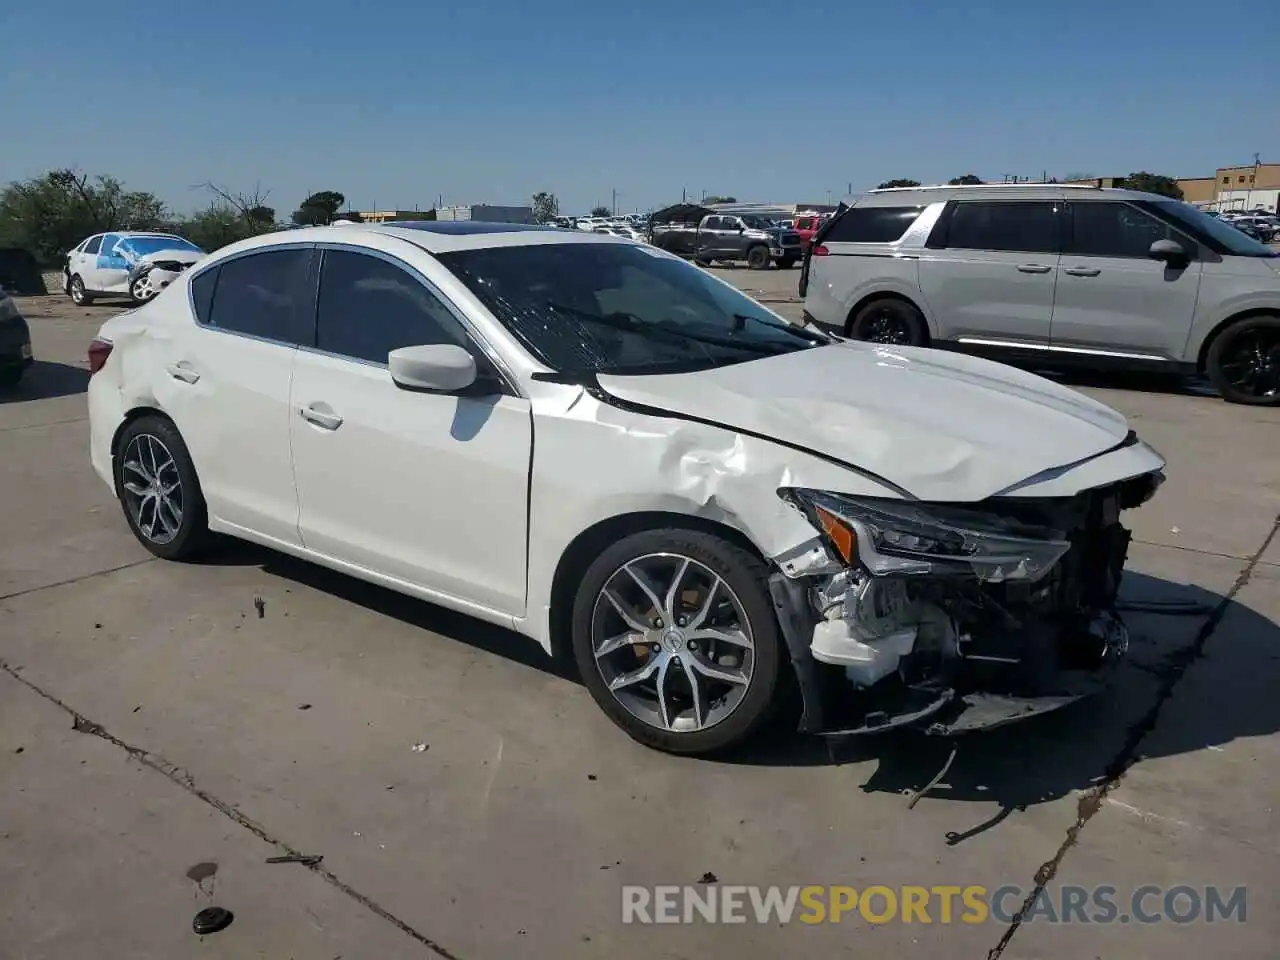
(44,380)
(1141,382)
(409,610)
(1036,761)
(1054,755)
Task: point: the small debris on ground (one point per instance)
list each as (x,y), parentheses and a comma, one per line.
(708,877)
(591,776)
(304,706)
(211,920)
(261,606)
(306,859)
(20,749)
(97,626)
(419,748)
(1175,529)
(81,725)
(136,709)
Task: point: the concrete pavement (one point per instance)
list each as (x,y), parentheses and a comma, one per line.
(212,735)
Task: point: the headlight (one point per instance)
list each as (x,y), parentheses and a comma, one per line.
(905,538)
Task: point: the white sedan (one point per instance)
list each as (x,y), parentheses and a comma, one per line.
(624,458)
(134,264)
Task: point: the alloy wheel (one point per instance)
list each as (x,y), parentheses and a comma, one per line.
(77,290)
(1250,363)
(672,642)
(887,326)
(152,488)
(141,289)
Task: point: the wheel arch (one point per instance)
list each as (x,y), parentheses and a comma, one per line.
(1202,355)
(132,415)
(887,295)
(584,548)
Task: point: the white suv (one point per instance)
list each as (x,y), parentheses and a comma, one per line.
(1054,274)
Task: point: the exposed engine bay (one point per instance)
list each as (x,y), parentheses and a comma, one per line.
(955,617)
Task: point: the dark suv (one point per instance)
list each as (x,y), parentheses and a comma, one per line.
(706,236)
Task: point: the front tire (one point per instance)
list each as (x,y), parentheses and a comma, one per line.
(159,491)
(675,637)
(141,290)
(758,258)
(786,263)
(1244,362)
(79,295)
(10,377)
(889,321)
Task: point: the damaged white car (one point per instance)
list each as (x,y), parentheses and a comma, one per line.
(616,454)
(135,264)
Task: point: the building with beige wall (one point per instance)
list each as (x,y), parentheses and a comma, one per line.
(1252,187)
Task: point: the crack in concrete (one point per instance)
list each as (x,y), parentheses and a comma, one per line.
(80,579)
(183,778)
(1091,802)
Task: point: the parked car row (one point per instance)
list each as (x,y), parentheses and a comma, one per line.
(1260,225)
(1053,275)
(707,237)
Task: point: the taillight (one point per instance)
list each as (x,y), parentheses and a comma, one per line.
(820,250)
(99,350)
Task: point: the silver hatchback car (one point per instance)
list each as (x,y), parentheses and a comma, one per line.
(1053,275)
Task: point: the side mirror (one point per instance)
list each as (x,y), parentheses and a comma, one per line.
(437,368)
(1170,251)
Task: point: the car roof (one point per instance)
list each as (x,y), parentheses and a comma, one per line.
(434,236)
(897,196)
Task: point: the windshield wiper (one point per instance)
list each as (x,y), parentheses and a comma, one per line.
(807,335)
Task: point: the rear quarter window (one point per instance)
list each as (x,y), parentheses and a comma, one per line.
(202,286)
(873,224)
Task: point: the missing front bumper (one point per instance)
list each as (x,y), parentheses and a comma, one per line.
(833,708)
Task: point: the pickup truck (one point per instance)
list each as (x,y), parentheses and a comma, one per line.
(706,236)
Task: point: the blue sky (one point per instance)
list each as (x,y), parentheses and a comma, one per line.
(397,103)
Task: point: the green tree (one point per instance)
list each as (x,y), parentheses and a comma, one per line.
(319,208)
(889,184)
(49,215)
(967,180)
(600,211)
(1152,183)
(545,206)
(230,217)
(715,198)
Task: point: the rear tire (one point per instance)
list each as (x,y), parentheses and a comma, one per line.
(786,263)
(700,580)
(1243,362)
(10,377)
(159,491)
(758,258)
(889,321)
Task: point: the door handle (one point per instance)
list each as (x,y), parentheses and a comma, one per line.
(1082,271)
(321,418)
(183,371)
(1033,268)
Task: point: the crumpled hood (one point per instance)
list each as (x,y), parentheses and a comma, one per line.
(181,256)
(942,426)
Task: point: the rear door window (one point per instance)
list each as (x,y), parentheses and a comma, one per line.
(265,295)
(1024,226)
(872,225)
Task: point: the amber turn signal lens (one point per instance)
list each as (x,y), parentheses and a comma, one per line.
(839,533)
